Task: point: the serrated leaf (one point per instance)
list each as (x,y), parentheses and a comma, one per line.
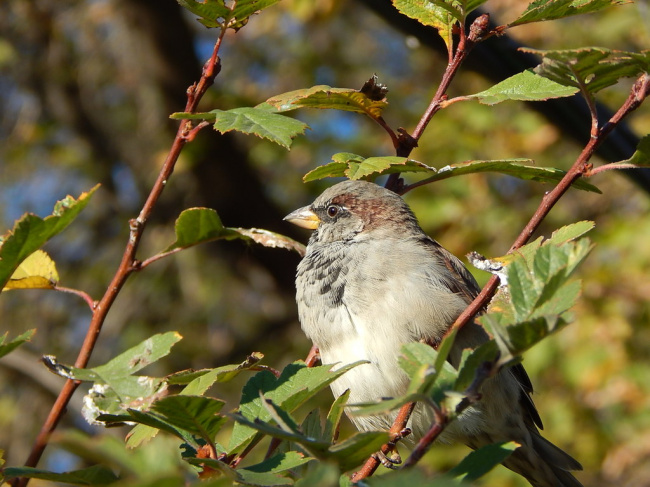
(296,384)
(593,68)
(95,475)
(525,86)
(215,13)
(199,225)
(326,97)
(541,10)
(7,347)
(440,14)
(481,461)
(31,232)
(115,389)
(212,13)
(356,449)
(570,232)
(512,167)
(37,271)
(197,415)
(257,121)
(354,166)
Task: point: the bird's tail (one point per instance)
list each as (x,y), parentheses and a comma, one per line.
(544,465)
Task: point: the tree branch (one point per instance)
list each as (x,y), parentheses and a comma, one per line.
(128,262)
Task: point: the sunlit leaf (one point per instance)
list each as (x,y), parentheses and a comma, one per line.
(215,13)
(540,10)
(326,97)
(525,86)
(37,271)
(440,14)
(200,225)
(257,121)
(31,232)
(352,166)
(512,167)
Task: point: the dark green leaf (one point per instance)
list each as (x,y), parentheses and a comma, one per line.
(593,68)
(215,13)
(525,86)
(196,414)
(95,475)
(481,461)
(31,232)
(540,10)
(280,463)
(356,449)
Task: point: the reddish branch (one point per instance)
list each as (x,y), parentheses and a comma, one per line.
(129,264)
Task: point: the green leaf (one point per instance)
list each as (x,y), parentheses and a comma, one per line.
(541,10)
(280,463)
(593,68)
(200,225)
(333,420)
(481,461)
(440,14)
(7,347)
(31,232)
(471,361)
(297,384)
(412,477)
(511,167)
(525,86)
(352,166)
(570,232)
(116,389)
(326,97)
(248,120)
(197,415)
(95,475)
(355,450)
(215,13)
(641,156)
(197,225)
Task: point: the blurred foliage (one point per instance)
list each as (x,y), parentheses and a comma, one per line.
(87,88)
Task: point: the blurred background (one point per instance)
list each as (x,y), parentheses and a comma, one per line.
(86,89)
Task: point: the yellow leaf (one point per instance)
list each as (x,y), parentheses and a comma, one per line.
(37,271)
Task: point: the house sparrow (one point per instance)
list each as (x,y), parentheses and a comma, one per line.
(371,281)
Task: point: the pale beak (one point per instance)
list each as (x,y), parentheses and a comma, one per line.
(304,217)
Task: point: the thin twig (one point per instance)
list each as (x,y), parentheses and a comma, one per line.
(126,267)
(92,304)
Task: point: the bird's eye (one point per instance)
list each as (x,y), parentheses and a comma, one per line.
(332,211)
